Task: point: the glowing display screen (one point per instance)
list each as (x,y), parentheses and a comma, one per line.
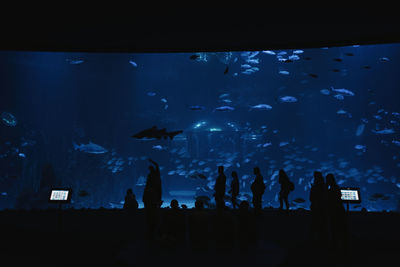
(59,195)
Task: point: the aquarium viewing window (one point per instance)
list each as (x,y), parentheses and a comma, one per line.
(60,195)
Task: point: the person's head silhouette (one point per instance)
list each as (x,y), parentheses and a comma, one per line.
(174,204)
(234,174)
(198,204)
(256,170)
(129,191)
(318,178)
(152,169)
(330,179)
(220,169)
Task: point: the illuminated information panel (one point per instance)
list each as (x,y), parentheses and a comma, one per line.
(60,195)
(351,195)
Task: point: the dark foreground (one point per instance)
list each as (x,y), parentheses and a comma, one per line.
(113,238)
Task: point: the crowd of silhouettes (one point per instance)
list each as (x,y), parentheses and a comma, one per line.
(328,217)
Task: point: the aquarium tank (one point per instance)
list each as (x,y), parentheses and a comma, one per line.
(91,122)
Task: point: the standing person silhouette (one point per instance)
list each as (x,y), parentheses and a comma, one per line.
(336,217)
(318,196)
(234,189)
(220,189)
(257,188)
(152,198)
(286,187)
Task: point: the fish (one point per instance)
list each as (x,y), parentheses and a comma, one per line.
(284,72)
(246,66)
(90,148)
(336,70)
(261,107)
(154,133)
(360,129)
(21,155)
(83,193)
(269,52)
(384,59)
(151,93)
(196,107)
(226,70)
(283,144)
(360,147)
(164,100)
(337,59)
(384,131)
(349,54)
(158,147)
(298,51)
(227,100)
(313,75)
(397,143)
(8,119)
(74,61)
(133,63)
(367,67)
(224,108)
(299,200)
(194,57)
(339,97)
(223,95)
(294,57)
(325,91)
(288,99)
(198,175)
(343,91)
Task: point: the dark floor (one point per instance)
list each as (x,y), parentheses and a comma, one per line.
(108,238)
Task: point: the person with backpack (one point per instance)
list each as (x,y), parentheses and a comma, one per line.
(286,187)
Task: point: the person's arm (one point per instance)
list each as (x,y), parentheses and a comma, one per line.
(155,164)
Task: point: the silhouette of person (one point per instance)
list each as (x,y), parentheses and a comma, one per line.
(174,226)
(130,201)
(336,216)
(318,197)
(219,189)
(152,198)
(199,227)
(234,189)
(286,187)
(257,188)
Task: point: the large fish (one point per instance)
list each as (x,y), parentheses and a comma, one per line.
(154,133)
(91,148)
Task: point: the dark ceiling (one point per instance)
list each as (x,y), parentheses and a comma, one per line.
(198,29)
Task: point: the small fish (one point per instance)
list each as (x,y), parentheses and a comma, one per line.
(226,70)
(360,129)
(313,75)
(223,95)
(261,107)
(360,147)
(336,70)
(224,108)
(397,143)
(157,147)
(337,59)
(339,97)
(367,67)
(197,107)
(325,91)
(349,54)
(384,59)
(75,61)
(21,155)
(298,51)
(343,91)
(164,100)
(83,193)
(269,52)
(151,93)
(384,131)
(133,63)
(288,99)
(284,72)
(246,66)
(194,57)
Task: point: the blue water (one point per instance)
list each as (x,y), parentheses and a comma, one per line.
(330,109)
